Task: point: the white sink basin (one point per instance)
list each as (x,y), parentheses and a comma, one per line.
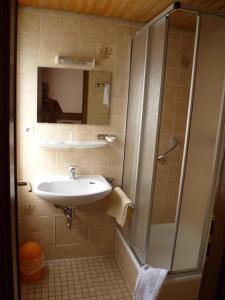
(62,191)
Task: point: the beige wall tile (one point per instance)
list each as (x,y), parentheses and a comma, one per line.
(83,157)
(89,28)
(184,77)
(49,44)
(50,25)
(27,83)
(78,234)
(171,76)
(65,157)
(181,111)
(95,249)
(99,157)
(187,43)
(179,127)
(118,106)
(87,48)
(44,238)
(115,156)
(115,173)
(64,133)
(37,223)
(166,126)
(169,93)
(46,60)
(27,63)
(45,156)
(68,46)
(82,136)
(172,188)
(168,109)
(124,33)
(174,172)
(66,251)
(174,40)
(120,86)
(96,227)
(99,248)
(162,172)
(44,208)
(182,94)
(28,43)
(69,27)
(29,22)
(117,123)
(98,170)
(107,32)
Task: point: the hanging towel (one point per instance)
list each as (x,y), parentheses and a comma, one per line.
(106,94)
(119,205)
(149,283)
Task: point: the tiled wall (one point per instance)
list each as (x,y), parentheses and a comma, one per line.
(42,34)
(173,122)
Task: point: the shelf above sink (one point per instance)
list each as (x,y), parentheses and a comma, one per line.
(72,145)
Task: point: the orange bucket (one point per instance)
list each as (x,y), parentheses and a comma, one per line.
(31,258)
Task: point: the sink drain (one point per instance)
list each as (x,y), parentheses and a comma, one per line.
(91,182)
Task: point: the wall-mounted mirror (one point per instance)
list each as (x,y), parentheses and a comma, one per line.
(73,96)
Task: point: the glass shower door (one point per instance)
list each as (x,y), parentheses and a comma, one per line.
(157,39)
(172,130)
(203,147)
(134,117)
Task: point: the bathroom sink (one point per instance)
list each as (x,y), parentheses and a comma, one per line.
(62,191)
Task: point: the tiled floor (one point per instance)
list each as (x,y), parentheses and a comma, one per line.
(83,278)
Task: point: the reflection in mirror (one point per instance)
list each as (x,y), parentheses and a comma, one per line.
(171,137)
(73,96)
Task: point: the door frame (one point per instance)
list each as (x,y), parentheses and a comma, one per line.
(8,199)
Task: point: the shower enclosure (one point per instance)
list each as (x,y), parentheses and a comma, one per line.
(174,135)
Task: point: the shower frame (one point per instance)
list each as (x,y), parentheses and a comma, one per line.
(177,6)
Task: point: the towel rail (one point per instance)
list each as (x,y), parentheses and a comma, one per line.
(25,183)
(111,181)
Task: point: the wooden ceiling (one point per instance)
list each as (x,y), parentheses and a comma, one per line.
(133,10)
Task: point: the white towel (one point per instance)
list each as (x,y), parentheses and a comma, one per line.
(149,283)
(106,94)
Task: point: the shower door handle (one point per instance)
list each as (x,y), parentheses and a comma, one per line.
(163,156)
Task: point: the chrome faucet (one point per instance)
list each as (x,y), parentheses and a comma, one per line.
(72,172)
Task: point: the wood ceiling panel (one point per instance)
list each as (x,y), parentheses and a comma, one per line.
(133,10)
